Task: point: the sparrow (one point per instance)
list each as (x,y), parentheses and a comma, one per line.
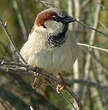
(51,45)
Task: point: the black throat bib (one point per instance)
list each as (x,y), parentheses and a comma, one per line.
(59,39)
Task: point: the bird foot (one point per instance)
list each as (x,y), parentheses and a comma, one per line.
(60,87)
(37,79)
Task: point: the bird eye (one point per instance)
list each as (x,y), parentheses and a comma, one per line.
(56,18)
(53,16)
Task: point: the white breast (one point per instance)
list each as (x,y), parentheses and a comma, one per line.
(53,60)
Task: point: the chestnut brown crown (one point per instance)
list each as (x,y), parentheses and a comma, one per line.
(52,14)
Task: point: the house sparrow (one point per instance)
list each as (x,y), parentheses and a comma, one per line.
(51,45)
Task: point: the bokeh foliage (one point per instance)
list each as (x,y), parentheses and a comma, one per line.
(95,98)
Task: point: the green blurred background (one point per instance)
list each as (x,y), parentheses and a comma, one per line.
(19,16)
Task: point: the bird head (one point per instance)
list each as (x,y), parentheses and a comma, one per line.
(52,15)
(55,22)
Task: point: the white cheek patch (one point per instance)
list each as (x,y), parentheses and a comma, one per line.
(54,27)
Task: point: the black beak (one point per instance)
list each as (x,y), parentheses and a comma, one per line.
(67,19)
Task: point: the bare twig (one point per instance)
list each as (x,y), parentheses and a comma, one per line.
(20,20)
(75,97)
(95,77)
(24,87)
(24,16)
(11,68)
(19,69)
(88,57)
(69,101)
(98,60)
(105,28)
(97,66)
(100,79)
(11,41)
(87,83)
(51,80)
(90,27)
(77,10)
(76,64)
(93,47)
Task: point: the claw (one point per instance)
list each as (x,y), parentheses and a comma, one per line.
(37,80)
(60,87)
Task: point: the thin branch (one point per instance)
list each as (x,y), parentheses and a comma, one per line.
(69,101)
(90,27)
(20,19)
(88,57)
(19,69)
(48,78)
(97,67)
(24,16)
(5,64)
(105,28)
(83,82)
(87,83)
(98,60)
(79,81)
(11,40)
(77,10)
(76,26)
(94,47)
(25,87)
(95,77)
(75,97)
